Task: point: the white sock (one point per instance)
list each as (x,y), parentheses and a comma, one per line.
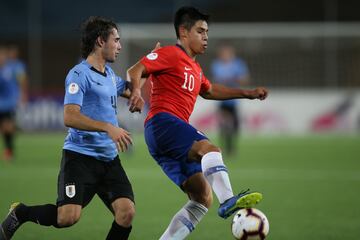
(184,221)
(216,173)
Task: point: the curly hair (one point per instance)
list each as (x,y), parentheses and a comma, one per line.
(91,29)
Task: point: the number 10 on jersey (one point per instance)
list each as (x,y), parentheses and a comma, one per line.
(188,82)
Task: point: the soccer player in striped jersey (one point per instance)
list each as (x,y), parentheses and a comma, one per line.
(185,154)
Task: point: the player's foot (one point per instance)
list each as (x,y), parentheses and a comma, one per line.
(11,223)
(244,199)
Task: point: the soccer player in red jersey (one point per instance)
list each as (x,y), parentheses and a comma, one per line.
(185,154)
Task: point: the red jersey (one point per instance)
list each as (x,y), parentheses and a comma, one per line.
(176,81)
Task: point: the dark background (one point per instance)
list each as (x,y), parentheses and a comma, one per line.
(47,31)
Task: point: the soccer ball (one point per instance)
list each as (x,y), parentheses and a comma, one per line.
(250,224)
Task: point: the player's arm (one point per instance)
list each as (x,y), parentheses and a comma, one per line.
(135,74)
(221,92)
(127,94)
(75,119)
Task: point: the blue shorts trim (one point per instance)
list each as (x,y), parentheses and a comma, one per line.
(169,139)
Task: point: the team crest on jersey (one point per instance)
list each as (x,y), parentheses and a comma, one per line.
(152,56)
(70,190)
(73,88)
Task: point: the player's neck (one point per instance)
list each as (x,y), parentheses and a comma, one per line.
(97,62)
(186,48)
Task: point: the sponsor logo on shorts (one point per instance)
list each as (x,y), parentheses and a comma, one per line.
(70,190)
(201,133)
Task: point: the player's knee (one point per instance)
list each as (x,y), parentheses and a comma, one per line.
(68,220)
(204,198)
(199,149)
(212,148)
(125,217)
(68,216)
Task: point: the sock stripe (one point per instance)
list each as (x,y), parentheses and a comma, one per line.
(215,169)
(187,223)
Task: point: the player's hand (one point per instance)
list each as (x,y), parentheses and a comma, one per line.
(136,102)
(138,106)
(121,138)
(259,93)
(157,46)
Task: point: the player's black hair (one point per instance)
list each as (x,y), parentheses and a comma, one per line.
(91,29)
(187,17)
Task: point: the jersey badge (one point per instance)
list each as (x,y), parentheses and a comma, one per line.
(73,88)
(152,56)
(70,190)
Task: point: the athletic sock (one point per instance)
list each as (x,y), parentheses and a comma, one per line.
(45,215)
(216,173)
(184,221)
(118,232)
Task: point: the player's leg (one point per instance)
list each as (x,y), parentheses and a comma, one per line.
(117,194)
(169,139)
(216,174)
(124,212)
(186,219)
(70,200)
(76,186)
(19,213)
(7,125)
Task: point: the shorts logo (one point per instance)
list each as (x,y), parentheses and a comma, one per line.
(201,133)
(73,88)
(70,190)
(152,56)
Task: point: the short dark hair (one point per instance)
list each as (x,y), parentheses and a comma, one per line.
(91,29)
(188,16)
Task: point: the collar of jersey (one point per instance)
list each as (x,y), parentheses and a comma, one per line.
(94,69)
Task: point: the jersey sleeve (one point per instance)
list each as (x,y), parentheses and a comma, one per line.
(75,87)
(121,85)
(205,84)
(160,60)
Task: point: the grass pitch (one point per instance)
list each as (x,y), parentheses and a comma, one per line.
(311,188)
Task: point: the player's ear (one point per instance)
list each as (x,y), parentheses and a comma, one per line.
(182,31)
(99,41)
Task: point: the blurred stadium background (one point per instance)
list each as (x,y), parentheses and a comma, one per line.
(301,147)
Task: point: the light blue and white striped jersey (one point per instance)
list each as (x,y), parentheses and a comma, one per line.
(96,93)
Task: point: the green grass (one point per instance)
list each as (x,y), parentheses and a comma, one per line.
(311,188)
